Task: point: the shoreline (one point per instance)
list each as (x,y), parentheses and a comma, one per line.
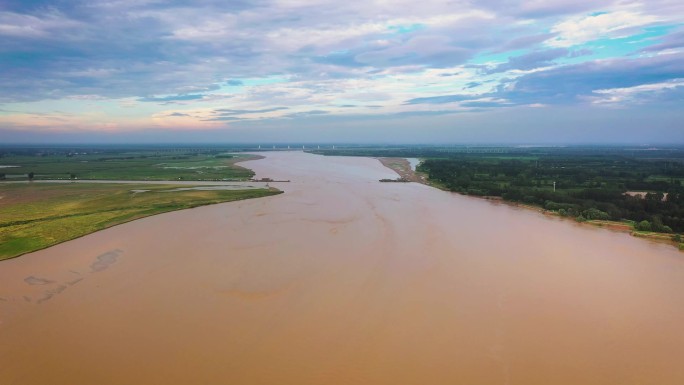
(272,190)
(233,186)
(402,167)
(21,236)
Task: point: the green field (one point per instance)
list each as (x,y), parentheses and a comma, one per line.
(124,165)
(37,215)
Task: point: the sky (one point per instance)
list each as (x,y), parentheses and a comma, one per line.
(400,71)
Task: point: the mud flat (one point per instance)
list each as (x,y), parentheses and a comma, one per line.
(345,280)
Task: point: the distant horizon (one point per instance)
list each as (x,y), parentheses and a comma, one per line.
(327,145)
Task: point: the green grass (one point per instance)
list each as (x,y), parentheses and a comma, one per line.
(34,216)
(148,165)
(663,178)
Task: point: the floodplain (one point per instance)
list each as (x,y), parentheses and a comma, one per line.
(37,211)
(126,163)
(36,215)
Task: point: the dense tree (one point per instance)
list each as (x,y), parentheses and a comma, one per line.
(589,187)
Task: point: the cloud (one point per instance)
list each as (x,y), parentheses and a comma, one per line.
(443,99)
(229,111)
(573,84)
(121,63)
(419,113)
(345,59)
(567,83)
(304,114)
(18,25)
(579,30)
(223,119)
(664,92)
(230,114)
(175,98)
(433,51)
(531,60)
(524,42)
(541,8)
(674,40)
(486,103)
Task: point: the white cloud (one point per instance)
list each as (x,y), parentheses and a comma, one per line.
(633,94)
(579,30)
(22,25)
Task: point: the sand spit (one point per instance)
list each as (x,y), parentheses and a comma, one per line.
(402,166)
(345,280)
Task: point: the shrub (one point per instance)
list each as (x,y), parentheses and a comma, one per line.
(643,226)
(593,213)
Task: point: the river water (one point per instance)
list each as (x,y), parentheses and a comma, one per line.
(345,280)
(414,162)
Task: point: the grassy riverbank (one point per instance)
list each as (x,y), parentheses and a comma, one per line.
(34,216)
(126,164)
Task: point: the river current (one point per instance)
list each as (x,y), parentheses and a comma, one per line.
(345,280)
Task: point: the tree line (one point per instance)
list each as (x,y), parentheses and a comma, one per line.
(585,187)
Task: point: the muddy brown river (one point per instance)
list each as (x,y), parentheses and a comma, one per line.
(345,280)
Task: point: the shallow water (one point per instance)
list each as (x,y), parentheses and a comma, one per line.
(344,280)
(414,162)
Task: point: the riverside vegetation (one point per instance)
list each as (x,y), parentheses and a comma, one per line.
(160,163)
(34,216)
(642,187)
